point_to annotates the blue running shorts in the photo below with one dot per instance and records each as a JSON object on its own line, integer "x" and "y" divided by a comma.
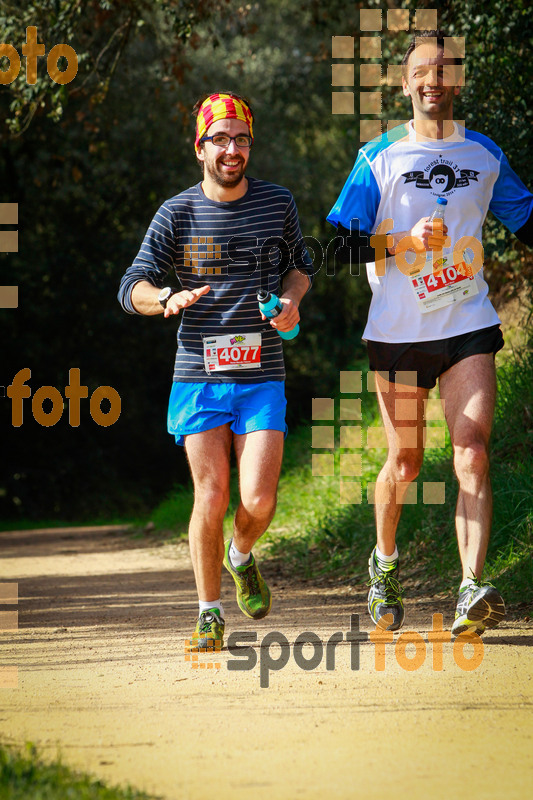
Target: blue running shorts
{"x": 247, "y": 407}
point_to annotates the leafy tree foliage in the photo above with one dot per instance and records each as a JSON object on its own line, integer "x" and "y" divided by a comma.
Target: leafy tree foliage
{"x": 89, "y": 163}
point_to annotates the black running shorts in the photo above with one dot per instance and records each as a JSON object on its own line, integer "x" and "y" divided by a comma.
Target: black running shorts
{"x": 430, "y": 359}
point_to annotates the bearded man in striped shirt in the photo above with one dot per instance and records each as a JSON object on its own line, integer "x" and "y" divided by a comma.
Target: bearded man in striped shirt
{"x": 225, "y": 239}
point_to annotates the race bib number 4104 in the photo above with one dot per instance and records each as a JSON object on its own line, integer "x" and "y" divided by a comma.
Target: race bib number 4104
{"x": 448, "y": 283}
{"x": 234, "y": 351}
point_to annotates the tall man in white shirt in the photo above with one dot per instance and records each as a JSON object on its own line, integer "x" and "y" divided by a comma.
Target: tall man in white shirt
{"x": 432, "y": 320}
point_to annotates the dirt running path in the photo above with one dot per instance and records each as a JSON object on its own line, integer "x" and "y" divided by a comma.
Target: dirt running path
{"x": 103, "y": 680}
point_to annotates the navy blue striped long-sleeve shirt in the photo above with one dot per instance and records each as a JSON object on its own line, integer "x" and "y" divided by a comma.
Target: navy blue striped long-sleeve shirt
{"x": 237, "y": 248}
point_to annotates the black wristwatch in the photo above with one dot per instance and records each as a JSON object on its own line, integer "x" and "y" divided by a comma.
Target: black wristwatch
{"x": 165, "y": 295}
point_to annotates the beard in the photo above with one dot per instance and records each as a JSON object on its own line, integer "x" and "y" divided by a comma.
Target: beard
{"x": 218, "y": 176}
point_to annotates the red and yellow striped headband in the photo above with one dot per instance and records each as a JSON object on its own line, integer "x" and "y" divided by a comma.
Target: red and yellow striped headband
{"x": 221, "y": 106}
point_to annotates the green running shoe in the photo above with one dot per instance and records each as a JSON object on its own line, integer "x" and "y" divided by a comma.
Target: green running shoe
{"x": 385, "y": 595}
{"x": 253, "y": 595}
{"x": 208, "y": 635}
{"x": 480, "y": 606}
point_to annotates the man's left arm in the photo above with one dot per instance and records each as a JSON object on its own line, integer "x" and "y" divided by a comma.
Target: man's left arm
{"x": 512, "y": 203}
{"x": 295, "y": 284}
{"x": 296, "y": 281}
{"x": 525, "y": 231}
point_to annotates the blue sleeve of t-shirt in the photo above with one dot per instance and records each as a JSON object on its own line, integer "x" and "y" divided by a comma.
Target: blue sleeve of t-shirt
{"x": 511, "y": 202}
{"x": 359, "y": 199}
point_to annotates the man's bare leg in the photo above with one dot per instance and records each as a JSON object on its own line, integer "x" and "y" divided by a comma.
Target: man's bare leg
{"x": 402, "y": 411}
{"x": 209, "y": 460}
{"x": 469, "y": 393}
{"x": 259, "y": 456}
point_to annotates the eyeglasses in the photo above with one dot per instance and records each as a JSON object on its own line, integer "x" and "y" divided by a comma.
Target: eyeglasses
{"x": 223, "y": 140}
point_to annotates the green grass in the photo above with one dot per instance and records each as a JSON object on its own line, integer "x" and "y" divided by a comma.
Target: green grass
{"x": 511, "y": 547}
{"x": 173, "y": 514}
{"x": 24, "y": 775}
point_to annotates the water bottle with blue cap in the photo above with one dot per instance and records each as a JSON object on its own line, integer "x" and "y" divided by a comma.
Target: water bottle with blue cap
{"x": 271, "y": 306}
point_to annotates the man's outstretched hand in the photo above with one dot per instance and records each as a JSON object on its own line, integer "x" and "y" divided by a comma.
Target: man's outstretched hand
{"x": 183, "y": 299}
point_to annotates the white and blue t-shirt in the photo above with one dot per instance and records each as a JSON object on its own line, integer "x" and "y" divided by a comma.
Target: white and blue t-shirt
{"x": 402, "y": 179}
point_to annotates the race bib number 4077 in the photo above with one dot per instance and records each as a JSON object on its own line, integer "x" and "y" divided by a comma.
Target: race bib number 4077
{"x": 234, "y": 351}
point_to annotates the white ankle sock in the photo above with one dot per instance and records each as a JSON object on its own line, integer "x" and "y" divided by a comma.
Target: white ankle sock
{"x": 236, "y": 557}
{"x": 386, "y": 559}
{"x": 206, "y": 605}
{"x": 465, "y": 583}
